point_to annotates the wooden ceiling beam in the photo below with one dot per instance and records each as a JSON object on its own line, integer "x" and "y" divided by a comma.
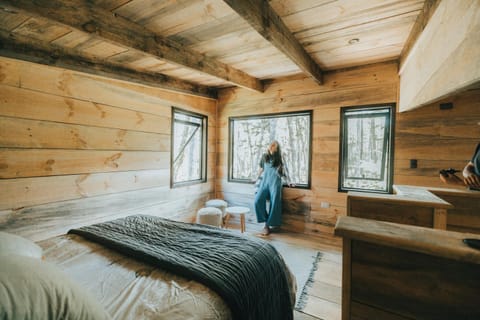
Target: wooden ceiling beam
{"x": 261, "y": 16}
{"x": 86, "y": 17}
{"x": 32, "y": 50}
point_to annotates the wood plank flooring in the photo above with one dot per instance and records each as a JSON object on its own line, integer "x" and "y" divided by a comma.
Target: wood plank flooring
{"x": 324, "y": 296}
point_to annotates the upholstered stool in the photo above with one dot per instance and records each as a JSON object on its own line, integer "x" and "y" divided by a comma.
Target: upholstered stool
{"x": 220, "y": 204}
{"x": 217, "y": 203}
{"x": 211, "y": 216}
{"x": 237, "y": 211}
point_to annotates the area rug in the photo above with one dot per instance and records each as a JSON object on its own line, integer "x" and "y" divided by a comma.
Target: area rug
{"x": 302, "y": 262}
{"x": 302, "y": 294}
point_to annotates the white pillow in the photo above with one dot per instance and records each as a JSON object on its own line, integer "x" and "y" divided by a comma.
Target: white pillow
{"x": 13, "y": 244}
{"x": 34, "y": 289}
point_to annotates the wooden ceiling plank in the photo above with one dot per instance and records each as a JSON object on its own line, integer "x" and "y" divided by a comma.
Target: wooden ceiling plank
{"x": 178, "y": 17}
{"x": 263, "y": 18}
{"x": 32, "y": 50}
{"x": 11, "y": 20}
{"x": 211, "y": 30}
{"x": 353, "y": 14}
{"x": 41, "y": 29}
{"x": 85, "y": 16}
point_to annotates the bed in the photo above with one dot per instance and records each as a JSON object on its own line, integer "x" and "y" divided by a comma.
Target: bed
{"x": 133, "y": 285}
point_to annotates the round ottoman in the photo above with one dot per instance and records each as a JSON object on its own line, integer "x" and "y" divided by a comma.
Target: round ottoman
{"x": 220, "y": 204}
{"x": 217, "y": 203}
{"x": 211, "y": 216}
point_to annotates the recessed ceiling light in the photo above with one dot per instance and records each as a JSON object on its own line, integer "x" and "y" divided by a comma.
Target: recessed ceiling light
{"x": 353, "y": 41}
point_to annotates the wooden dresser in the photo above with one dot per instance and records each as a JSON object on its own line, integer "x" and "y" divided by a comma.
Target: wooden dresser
{"x": 398, "y": 271}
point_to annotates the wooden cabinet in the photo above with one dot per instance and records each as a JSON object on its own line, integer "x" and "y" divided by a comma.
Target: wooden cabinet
{"x": 464, "y": 215}
{"x": 409, "y": 205}
{"x": 397, "y": 271}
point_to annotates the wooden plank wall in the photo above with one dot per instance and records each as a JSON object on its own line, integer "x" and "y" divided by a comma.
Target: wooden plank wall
{"x": 302, "y": 208}
{"x": 77, "y": 149}
{"x": 436, "y": 138}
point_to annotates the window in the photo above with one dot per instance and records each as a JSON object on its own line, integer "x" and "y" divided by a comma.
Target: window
{"x": 189, "y": 148}
{"x": 250, "y": 137}
{"x": 366, "y": 157}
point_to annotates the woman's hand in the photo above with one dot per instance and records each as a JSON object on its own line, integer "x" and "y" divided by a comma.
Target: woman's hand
{"x": 472, "y": 181}
{"x": 470, "y": 178}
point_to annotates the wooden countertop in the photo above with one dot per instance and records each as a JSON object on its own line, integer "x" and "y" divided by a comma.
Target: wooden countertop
{"x": 463, "y": 192}
{"x": 441, "y": 243}
{"x": 418, "y": 196}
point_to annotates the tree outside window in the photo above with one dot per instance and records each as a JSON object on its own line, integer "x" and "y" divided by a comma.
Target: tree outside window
{"x": 250, "y": 136}
{"x": 366, "y": 156}
{"x": 189, "y": 147}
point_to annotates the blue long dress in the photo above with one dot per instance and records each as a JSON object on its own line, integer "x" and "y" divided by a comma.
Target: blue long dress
{"x": 270, "y": 188}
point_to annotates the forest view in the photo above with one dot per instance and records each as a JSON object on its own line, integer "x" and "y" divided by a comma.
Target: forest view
{"x": 366, "y": 148}
{"x": 187, "y": 148}
{"x": 251, "y": 137}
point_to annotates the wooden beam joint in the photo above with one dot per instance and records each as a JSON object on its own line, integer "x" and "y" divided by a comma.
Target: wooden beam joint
{"x": 261, "y": 16}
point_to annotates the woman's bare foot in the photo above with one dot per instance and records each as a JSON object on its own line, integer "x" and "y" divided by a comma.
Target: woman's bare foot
{"x": 266, "y": 231}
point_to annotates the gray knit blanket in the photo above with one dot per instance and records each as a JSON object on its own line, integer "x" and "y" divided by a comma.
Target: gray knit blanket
{"x": 248, "y": 273}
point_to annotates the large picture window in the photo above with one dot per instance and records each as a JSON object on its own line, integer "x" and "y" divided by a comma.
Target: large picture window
{"x": 250, "y": 137}
{"x": 366, "y": 152}
{"x": 189, "y": 148}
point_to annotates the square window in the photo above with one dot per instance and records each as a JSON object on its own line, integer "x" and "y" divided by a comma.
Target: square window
{"x": 189, "y": 148}
{"x": 250, "y": 136}
{"x": 366, "y": 152}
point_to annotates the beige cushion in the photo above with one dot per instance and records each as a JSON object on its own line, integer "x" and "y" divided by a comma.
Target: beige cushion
{"x": 217, "y": 203}
{"x": 34, "y": 289}
{"x": 210, "y": 215}
{"x": 13, "y": 244}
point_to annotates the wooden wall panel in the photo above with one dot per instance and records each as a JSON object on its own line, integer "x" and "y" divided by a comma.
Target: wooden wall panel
{"x": 438, "y": 139}
{"x": 21, "y": 163}
{"x": 25, "y": 192}
{"x": 20, "y": 133}
{"x": 77, "y": 149}
{"x": 28, "y": 104}
{"x": 42, "y": 221}
{"x": 304, "y": 210}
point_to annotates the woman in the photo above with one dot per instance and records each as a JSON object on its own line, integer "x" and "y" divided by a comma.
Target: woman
{"x": 273, "y": 170}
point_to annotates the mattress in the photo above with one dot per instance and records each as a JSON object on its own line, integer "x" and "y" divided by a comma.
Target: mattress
{"x": 129, "y": 289}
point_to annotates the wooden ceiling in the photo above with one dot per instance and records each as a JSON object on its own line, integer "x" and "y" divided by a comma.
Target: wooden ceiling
{"x": 199, "y": 46}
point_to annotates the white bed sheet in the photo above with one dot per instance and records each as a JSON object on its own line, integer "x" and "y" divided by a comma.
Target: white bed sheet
{"x": 129, "y": 289}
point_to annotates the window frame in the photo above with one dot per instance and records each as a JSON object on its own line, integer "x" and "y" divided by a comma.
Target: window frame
{"x": 391, "y": 141}
{"x": 204, "y": 147}
{"x": 269, "y": 115}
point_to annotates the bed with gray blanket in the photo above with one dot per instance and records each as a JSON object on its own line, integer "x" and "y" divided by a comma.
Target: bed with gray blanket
{"x": 248, "y": 274}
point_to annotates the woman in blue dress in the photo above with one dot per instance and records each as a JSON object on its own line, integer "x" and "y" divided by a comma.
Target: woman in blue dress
{"x": 272, "y": 170}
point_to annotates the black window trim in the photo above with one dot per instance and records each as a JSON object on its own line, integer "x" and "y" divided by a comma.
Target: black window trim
{"x": 390, "y": 133}
{"x": 269, "y": 115}
{"x": 204, "y": 157}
